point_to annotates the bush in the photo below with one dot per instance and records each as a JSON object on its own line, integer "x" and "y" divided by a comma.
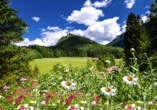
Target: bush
{"x": 100, "y": 66}
{"x": 88, "y": 63}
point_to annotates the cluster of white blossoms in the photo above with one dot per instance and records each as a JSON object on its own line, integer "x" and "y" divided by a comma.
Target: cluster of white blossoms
{"x": 108, "y": 61}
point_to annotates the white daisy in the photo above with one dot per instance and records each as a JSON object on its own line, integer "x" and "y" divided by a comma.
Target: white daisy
{"x": 84, "y": 102}
{"x": 108, "y": 91}
{"x": 133, "y": 105}
{"x": 0, "y": 96}
{"x": 25, "y": 105}
{"x": 82, "y": 108}
{"x": 60, "y": 77}
{"x": 76, "y": 105}
{"x": 139, "y": 102}
{"x": 31, "y": 108}
{"x": 132, "y": 49}
{"x": 18, "y": 107}
{"x": 130, "y": 80}
{"x": 68, "y": 84}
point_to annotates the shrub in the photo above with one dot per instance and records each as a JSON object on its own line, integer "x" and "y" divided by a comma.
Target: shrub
{"x": 100, "y": 65}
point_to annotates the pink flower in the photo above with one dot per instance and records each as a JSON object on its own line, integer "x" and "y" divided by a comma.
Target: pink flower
{"x": 149, "y": 103}
{"x": 55, "y": 93}
{"x": 93, "y": 103}
{"x": 43, "y": 102}
{"x": 19, "y": 88}
{"x": 78, "y": 93}
{"x": 98, "y": 96}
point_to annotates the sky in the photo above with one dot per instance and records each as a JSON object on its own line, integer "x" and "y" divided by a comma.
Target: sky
{"x": 99, "y": 20}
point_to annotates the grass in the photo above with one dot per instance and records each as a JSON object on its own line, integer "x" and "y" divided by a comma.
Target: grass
{"x": 50, "y": 92}
{"x": 46, "y": 64}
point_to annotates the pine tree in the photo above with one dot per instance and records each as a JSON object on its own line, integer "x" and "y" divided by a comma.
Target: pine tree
{"x": 135, "y": 37}
{"x": 13, "y": 59}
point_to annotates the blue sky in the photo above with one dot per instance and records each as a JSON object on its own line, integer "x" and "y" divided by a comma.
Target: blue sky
{"x": 99, "y": 20}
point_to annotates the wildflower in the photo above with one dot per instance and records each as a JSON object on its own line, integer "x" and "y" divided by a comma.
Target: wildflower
{"x": 26, "y": 105}
{"x": 24, "y": 79}
{"x": 31, "y": 108}
{"x": 43, "y": 102}
{"x": 93, "y": 103}
{"x": 68, "y": 85}
{"x": 76, "y": 105}
{"x": 108, "y": 91}
{"x": 139, "y": 102}
{"x": 82, "y": 108}
{"x": 33, "y": 102}
{"x": 139, "y": 108}
{"x": 149, "y": 103}
{"x": 60, "y": 77}
{"x": 84, "y": 102}
{"x": 32, "y": 81}
{"x": 6, "y": 87}
{"x": 107, "y": 103}
{"x": 132, "y": 50}
{"x": 133, "y": 105}
{"x": 18, "y": 107}
{"x": 130, "y": 80}
{"x": 53, "y": 104}
{"x": 0, "y": 96}
{"x": 19, "y": 88}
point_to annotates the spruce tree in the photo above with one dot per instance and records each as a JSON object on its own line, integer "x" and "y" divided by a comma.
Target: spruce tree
{"x": 135, "y": 37}
{"x": 13, "y": 59}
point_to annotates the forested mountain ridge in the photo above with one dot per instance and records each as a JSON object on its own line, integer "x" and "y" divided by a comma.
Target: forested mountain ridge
{"x": 119, "y": 40}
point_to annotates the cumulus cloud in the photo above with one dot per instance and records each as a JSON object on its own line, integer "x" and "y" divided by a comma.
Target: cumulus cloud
{"x": 129, "y": 3}
{"x": 104, "y": 42}
{"x": 69, "y": 27}
{"x": 148, "y": 12}
{"x": 97, "y": 4}
{"x": 36, "y": 19}
{"x": 87, "y": 16}
{"x": 48, "y": 39}
{"x": 78, "y": 32}
{"x": 104, "y": 30}
{"x": 43, "y": 29}
{"x": 101, "y": 4}
{"x": 144, "y": 18}
{"x": 54, "y": 28}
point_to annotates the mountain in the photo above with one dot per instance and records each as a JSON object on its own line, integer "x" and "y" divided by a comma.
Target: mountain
{"x": 72, "y": 42}
{"x": 119, "y": 40}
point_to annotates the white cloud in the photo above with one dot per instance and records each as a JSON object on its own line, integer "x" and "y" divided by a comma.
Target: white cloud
{"x": 144, "y": 18}
{"x": 123, "y": 28}
{"x": 97, "y": 4}
{"x": 148, "y": 12}
{"x": 101, "y": 4}
{"x": 43, "y": 29}
{"x": 69, "y": 27}
{"x": 147, "y": 7}
{"x": 78, "y": 32}
{"x": 36, "y": 19}
{"x": 48, "y": 39}
{"x": 104, "y": 42}
{"x": 87, "y": 16}
{"x": 105, "y": 30}
{"x": 129, "y": 3}
{"x": 87, "y": 3}
{"x": 53, "y": 28}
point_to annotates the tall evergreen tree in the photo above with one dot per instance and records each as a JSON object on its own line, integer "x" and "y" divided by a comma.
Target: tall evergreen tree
{"x": 135, "y": 37}
{"x": 11, "y": 30}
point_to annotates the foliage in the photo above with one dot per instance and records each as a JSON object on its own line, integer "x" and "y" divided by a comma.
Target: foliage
{"x": 100, "y": 65}
{"x": 88, "y": 63}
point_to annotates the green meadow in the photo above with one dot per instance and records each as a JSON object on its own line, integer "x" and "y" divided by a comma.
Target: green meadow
{"x": 46, "y": 64}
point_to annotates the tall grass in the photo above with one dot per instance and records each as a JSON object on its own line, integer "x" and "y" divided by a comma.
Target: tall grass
{"x": 83, "y": 88}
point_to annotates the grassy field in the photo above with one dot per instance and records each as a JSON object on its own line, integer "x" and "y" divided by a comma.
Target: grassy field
{"x": 46, "y": 64}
